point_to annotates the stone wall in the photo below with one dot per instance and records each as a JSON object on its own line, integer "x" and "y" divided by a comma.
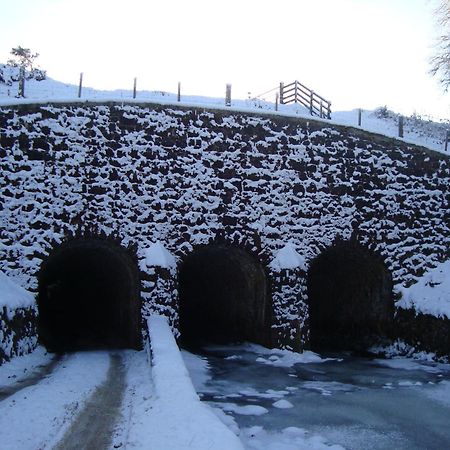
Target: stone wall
{"x": 188, "y": 177}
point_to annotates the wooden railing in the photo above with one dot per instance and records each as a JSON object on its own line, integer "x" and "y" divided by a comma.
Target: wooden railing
{"x": 298, "y": 93}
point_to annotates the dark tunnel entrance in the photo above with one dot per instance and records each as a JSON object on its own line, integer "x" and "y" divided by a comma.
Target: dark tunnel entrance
{"x": 223, "y": 297}
{"x": 89, "y": 297}
{"x": 350, "y": 299}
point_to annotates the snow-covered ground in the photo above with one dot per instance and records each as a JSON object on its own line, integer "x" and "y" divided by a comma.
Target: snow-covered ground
{"x": 418, "y": 131}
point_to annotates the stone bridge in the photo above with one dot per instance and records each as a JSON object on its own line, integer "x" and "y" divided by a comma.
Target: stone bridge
{"x": 238, "y": 226}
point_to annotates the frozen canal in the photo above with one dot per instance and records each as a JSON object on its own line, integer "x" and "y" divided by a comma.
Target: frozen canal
{"x": 274, "y": 397}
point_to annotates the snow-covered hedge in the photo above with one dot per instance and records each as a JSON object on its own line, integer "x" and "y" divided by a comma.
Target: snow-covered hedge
{"x": 17, "y": 320}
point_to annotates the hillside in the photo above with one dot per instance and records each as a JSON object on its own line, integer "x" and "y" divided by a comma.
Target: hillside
{"x": 417, "y": 130}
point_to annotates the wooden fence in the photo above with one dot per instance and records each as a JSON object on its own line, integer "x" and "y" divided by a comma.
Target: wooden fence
{"x": 298, "y": 93}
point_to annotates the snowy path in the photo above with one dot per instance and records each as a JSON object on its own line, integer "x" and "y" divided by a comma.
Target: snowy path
{"x": 93, "y": 427}
{"x": 40, "y": 372}
{"x": 37, "y": 416}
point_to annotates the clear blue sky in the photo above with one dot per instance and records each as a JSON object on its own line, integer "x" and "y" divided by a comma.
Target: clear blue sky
{"x": 357, "y": 53}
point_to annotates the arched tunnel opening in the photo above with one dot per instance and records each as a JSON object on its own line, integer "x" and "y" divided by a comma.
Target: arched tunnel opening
{"x": 88, "y": 297}
{"x": 350, "y": 299}
{"x": 223, "y": 297}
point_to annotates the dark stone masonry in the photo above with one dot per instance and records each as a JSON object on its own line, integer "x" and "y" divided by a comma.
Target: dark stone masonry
{"x": 86, "y": 189}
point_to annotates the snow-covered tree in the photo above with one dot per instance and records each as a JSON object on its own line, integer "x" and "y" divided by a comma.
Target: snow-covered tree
{"x": 440, "y": 62}
{"x": 23, "y": 60}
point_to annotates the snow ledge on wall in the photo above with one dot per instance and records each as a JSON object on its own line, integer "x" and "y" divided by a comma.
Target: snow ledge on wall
{"x": 13, "y": 296}
{"x": 431, "y": 294}
{"x": 287, "y": 258}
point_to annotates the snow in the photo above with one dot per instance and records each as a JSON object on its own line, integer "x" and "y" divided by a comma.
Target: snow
{"x": 13, "y": 296}
{"x": 287, "y": 258}
{"x": 246, "y": 410}
{"x": 285, "y": 358}
{"x": 178, "y": 419}
{"x": 55, "y": 91}
{"x": 38, "y": 416}
{"x": 158, "y": 256}
{"x": 283, "y": 404}
{"x": 21, "y": 367}
{"x": 431, "y": 294}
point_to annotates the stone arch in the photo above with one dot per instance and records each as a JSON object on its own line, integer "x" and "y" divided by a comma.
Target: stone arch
{"x": 224, "y": 296}
{"x": 89, "y": 296}
{"x": 350, "y": 298}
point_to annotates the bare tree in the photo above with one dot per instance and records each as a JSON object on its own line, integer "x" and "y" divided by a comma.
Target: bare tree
{"x": 24, "y": 59}
{"x": 440, "y": 62}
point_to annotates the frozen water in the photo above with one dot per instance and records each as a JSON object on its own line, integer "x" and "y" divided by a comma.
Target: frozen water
{"x": 354, "y": 402}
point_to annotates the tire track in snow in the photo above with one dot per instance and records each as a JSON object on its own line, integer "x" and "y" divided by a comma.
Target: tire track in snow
{"x": 31, "y": 380}
{"x": 93, "y": 428}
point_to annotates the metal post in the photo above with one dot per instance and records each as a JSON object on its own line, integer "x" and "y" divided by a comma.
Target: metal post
{"x": 179, "y": 92}
{"x": 134, "y": 87}
{"x": 447, "y": 139}
{"x": 359, "y": 116}
{"x": 311, "y": 103}
{"x": 400, "y": 126}
{"x": 277, "y": 97}
{"x": 80, "y": 86}
{"x": 228, "y": 95}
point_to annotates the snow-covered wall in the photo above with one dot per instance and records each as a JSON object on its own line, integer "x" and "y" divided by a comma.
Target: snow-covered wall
{"x": 185, "y": 177}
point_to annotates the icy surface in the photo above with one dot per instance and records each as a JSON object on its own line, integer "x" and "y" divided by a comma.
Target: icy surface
{"x": 431, "y": 294}
{"x": 12, "y": 295}
{"x": 343, "y": 402}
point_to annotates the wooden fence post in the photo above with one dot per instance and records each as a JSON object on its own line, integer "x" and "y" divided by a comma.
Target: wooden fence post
{"x": 447, "y": 139}
{"x": 400, "y": 126}
{"x": 80, "y": 86}
{"x": 359, "y": 116}
{"x": 134, "y": 87}
{"x": 179, "y": 92}
{"x": 228, "y": 95}
{"x": 281, "y": 93}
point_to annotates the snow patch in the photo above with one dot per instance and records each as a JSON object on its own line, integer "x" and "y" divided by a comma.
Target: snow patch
{"x": 158, "y": 256}
{"x": 287, "y": 258}
{"x": 13, "y": 296}
{"x": 431, "y": 294}
{"x": 283, "y": 404}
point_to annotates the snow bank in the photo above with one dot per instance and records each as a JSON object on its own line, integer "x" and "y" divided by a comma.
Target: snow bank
{"x": 158, "y": 256}
{"x": 431, "y": 294}
{"x": 13, "y": 296}
{"x": 287, "y": 258}
{"x": 182, "y": 420}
